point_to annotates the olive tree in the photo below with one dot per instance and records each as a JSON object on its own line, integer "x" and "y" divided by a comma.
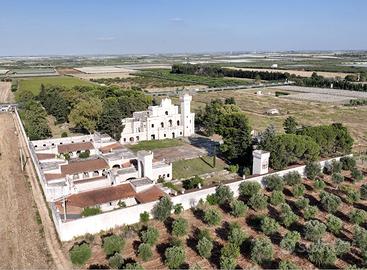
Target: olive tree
{"x": 287, "y": 265}
{"x": 322, "y": 254}
{"x": 116, "y": 261}
{"x": 310, "y": 212}
{"x": 223, "y": 194}
{"x": 290, "y": 240}
{"x": 258, "y": 201}
{"x": 358, "y": 216}
{"x": 227, "y": 263}
{"x": 238, "y": 208}
{"x": 236, "y": 235}
{"x": 348, "y": 163}
{"x": 205, "y": 247}
{"x": 287, "y": 216}
{"x": 145, "y": 251}
{"x": 330, "y": 202}
{"x": 312, "y": 170}
{"x": 269, "y": 225}
{"x": 314, "y": 230}
{"x": 212, "y": 217}
{"x": 150, "y": 236}
{"x": 179, "y": 227}
{"x": 363, "y": 191}
{"x": 298, "y": 190}
{"x": 262, "y": 250}
{"x": 175, "y": 257}
{"x": 162, "y": 210}
{"x": 79, "y": 254}
{"x": 356, "y": 174}
{"x": 341, "y": 247}
{"x": 274, "y": 182}
{"x": 334, "y": 224}
{"x": 113, "y": 244}
{"x": 249, "y": 188}
{"x": 292, "y": 178}
{"x": 277, "y": 197}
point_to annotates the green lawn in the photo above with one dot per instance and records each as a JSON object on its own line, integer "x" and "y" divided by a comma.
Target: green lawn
{"x": 156, "y": 144}
{"x": 34, "y": 84}
{"x": 196, "y": 166}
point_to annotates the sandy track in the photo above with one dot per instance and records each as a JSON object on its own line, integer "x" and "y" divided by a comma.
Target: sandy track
{"x": 22, "y": 243}
{"x": 50, "y": 235}
{"x": 5, "y": 92}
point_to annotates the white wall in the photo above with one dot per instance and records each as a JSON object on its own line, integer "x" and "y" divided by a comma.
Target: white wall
{"x": 130, "y": 215}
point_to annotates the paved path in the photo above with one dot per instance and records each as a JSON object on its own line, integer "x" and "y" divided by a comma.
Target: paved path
{"x": 6, "y": 96}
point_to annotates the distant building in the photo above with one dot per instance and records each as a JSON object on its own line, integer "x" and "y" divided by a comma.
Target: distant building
{"x": 165, "y": 121}
{"x": 274, "y": 66}
{"x": 272, "y": 111}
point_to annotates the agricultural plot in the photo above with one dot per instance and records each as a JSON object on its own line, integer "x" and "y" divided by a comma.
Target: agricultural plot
{"x": 306, "y": 112}
{"x": 290, "y": 223}
{"x": 103, "y": 69}
{"x": 34, "y": 84}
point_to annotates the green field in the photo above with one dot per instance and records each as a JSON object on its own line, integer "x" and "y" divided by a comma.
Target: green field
{"x": 34, "y": 84}
{"x": 151, "y": 145}
{"x": 196, "y": 166}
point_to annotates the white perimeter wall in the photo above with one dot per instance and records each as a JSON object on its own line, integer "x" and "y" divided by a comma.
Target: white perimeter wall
{"x": 130, "y": 215}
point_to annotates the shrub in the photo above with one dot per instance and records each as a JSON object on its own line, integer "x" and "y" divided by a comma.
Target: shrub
{"x": 298, "y": 190}
{"x": 287, "y": 216}
{"x": 133, "y": 266}
{"x": 223, "y": 194}
{"x": 113, "y": 244}
{"x": 292, "y": 178}
{"x": 287, "y": 265}
{"x": 274, "y": 182}
{"x": 179, "y": 227}
{"x": 356, "y": 174}
{"x": 360, "y": 237}
{"x": 358, "y": 216}
{"x": 162, "y": 210}
{"x": 230, "y": 250}
{"x": 212, "y": 217}
{"x": 145, "y": 252}
{"x": 363, "y": 191}
{"x": 269, "y": 225}
{"x": 176, "y": 242}
{"x": 258, "y": 201}
{"x": 79, "y": 254}
{"x": 249, "y": 188}
{"x": 330, "y": 202}
{"x": 233, "y": 168}
{"x": 352, "y": 195}
{"x": 236, "y": 235}
{"x": 238, "y": 208}
{"x": 116, "y": 261}
{"x": 144, "y": 217}
{"x": 204, "y": 233}
{"x": 312, "y": 170}
{"x": 341, "y": 247}
{"x": 290, "y": 240}
{"x": 84, "y": 154}
{"x": 150, "y": 236}
{"x": 319, "y": 184}
{"x": 302, "y": 203}
{"x": 205, "y": 247}
{"x": 91, "y": 211}
{"x": 277, "y": 197}
{"x": 314, "y": 230}
{"x": 348, "y": 163}
{"x": 337, "y": 178}
{"x": 212, "y": 199}
{"x": 310, "y": 212}
{"x": 321, "y": 254}
{"x": 227, "y": 263}
{"x": 334, "y": 224}
{"x": 262, "y": 250}
{"x": 336, "y": 166}
{"x": 192, "y": 182}
{"x": 178, "y": 208}
{"x": 175, "y": 257}
{"x": 64, "y": 134}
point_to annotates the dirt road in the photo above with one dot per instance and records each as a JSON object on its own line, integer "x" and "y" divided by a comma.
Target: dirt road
{"x": 22, "y": 243}
{"x": 5, "y": 92}
{"x": 54, "y": 247}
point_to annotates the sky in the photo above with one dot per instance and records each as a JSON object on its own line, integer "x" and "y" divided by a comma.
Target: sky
{"x": 68, "y": 27}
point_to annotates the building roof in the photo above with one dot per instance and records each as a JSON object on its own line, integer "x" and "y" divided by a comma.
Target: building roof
{"x": 101, "y": 196}
{"x": 43, "y": 156}
{"x": 152, "y": 194}
{"x": 73, "y": 147}
{"x": 109, "y": 148}
{"x": 53, "y": 176}
{"x": 84, "y": 166}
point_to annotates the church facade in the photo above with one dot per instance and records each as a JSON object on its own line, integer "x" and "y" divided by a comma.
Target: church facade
{"x": 165, "y": 121}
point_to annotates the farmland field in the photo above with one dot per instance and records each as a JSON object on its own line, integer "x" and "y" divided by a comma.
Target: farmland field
{"x": 34, "y": 84}
{"x": 306, "y": 112}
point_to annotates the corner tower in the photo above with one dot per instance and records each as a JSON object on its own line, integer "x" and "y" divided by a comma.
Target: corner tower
{"x": 187, "y": 117}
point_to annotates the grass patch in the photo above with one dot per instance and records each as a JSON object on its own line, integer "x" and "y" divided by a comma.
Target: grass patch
{"x": 34, "y": 84}
{"x": 156, "y": 144}
{"x": 196, "y": 166}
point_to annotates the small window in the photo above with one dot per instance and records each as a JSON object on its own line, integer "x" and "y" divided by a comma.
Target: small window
{"x": 165, "y": 135}
{"x": 166, "y": 112}
{"x": 44, "y": 145}
{"x": 72, "y": 141}
{"x": 162, "y": 124}
{"x": 181, "y": 133}
{"x": 124, "y": 139}
{"x": 83, "y": 140}
{"x": 35, "y": 146}
{"x": 152, "y": 125}
{"x": 53, "y": 144}
{"x": 167, "y": 174}
{"x": 60, "y": 142}
{"x": 178, "y": 122}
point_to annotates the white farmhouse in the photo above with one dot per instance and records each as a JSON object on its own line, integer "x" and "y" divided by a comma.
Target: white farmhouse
{"x": 165, "y": 121}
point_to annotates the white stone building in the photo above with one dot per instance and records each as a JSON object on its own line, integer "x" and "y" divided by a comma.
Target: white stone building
{"x": 165, "y": 121}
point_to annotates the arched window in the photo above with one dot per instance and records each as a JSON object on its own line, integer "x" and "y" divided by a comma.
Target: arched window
{"x": 162, "y": 124}
{"x": 170, "y": 123}
{"x": 178, "y": 122}
{"x": 137, "y": 138}
{"x": 131, "y": 139}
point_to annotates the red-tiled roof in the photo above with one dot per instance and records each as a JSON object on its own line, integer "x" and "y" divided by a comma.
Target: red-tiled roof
{"x": 84, "y": 166}
{"x": 86, "y": 180}
{"x": 101, "y": 196}
{"x": 150, "y": 195}
{"x": 43, "y": 156}
{"x": 109, "y": 148}
{"x": 73, "y": 147}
